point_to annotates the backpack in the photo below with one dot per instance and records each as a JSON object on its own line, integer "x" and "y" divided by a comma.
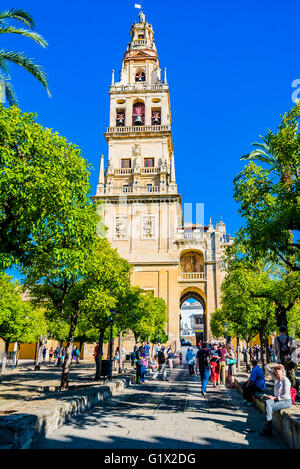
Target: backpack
{"x": 293, "y": 394}
{"x": 161, "y": 357}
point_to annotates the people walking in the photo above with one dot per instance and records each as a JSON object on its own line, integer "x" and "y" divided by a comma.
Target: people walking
{"x": 170, "y": 356}
{"x": 222, "y": 364}
{"x": 44, "y": 353}
{"x": 116, "y": 359}
{"x": 203, "y": 366}
{"x": 161, "y": 359}
{"x": 77, "y": 355}
{"x": 255, "y": 383}
{"x": 214, "y": 357}
{"x": 157, "y": 349}
{"x": 138, "y": 364}
{"x": 180, "y": 358}
{"x": 282, "y": 395}
{"x": 191, "y": 360}
{"x": 230, "y": 365}
{"x": 51, "y": 352}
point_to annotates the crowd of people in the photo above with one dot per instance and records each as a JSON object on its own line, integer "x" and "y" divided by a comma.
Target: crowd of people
{"x": 57, "y": 356}
{"x": 213, "y": 360}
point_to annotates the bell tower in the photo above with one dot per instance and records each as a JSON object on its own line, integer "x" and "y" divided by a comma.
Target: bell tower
{"x": 140, "y": 166}
{"x": 141, "y": 207}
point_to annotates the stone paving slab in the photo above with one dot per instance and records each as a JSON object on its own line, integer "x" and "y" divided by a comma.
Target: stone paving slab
{"x": 167, "y": 415}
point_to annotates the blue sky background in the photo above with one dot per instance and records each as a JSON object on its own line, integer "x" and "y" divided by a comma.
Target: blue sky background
{"x": 230, "y": 69}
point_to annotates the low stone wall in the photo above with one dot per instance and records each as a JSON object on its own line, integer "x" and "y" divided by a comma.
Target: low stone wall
{"x": 23, "y": 431}
{"x": 286, "y": 423}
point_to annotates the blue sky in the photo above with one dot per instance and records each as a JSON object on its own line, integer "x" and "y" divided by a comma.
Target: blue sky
{"x": 230, "y": 69}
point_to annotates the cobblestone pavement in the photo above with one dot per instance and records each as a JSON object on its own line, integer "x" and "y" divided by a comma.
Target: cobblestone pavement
{"x": 167, "y": 415}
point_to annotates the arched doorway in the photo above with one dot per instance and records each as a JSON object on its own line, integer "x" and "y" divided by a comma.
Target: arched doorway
{"x": 192, "y": 316}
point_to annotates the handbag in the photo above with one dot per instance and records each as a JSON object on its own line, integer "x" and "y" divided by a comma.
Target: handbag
{"x": 230, "y": 361}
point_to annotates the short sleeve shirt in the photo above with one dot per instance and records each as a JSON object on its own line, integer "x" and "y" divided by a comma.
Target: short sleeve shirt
{"x": 203, "y": 356}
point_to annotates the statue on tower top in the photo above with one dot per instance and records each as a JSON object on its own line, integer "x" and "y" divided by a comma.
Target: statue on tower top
{"x": 142, "y": 17}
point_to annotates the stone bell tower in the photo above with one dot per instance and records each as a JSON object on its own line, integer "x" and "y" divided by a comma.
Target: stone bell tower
{"x": 141, "y": 206}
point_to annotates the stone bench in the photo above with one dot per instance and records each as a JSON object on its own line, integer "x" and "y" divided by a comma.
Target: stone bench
{"x": 286, "y": 422}
{"x": 24, "y": 430}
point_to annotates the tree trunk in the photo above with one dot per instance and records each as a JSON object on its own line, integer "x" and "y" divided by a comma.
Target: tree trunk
{"x": 120, "y": 354}
{"x": 262, "y": 348}
{"x": 18, "y": 353}
{"x": 281, "y": 316}
{"x": 238, "y": 352}
{"x": 4, "y": 356}
{"x": 99, "y": 355}
{"x": 68, "y": 355}
{"x": 268, "y": 355}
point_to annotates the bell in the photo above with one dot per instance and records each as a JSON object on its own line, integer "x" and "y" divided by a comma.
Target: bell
{"x": 155, "y": 120}
{"x": 138, "y": 120}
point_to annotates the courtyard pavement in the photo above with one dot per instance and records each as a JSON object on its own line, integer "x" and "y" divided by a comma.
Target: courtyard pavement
{"x": 167, "y": 415}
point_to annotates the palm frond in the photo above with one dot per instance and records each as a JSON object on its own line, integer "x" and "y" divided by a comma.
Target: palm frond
{"x": 263, "y": 146}
{"x": 239, "y": 176}
{"x": 18, "y": 15}
{"x": 24, "y": 32}
{"x": 10, "y": 94}
{"x": 20, "y": 59}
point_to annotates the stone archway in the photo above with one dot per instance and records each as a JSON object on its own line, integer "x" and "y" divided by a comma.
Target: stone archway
{"x": 192, "y": 321}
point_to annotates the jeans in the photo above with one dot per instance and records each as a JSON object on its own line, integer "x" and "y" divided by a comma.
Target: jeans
{"x": 143, "y": 372}
{"x": 272, "y": 406}
{"x": 191, "y": 370}
{"x": 204, "y": 373}
{"x": 249, "y": 390}
{"x": 162, "y": 369}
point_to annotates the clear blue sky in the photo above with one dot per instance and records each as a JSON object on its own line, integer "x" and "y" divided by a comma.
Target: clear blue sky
{"x": 230, "y": 68}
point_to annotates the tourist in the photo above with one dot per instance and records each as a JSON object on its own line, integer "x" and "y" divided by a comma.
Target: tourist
{"x": 203, "y": 366}
{"x": 74, "y": 354}
{"x": 147, "y": 348}
{"x": 96, "y": 351}
{"x": 255, "y": 383}
{"x": 191, "y": 359}
{"x": 272, "y": 354}
{"x": 157, "y": 349}
{"x": 230, "y": 365}
{"x": 133, "y": 356}
{"x": 44, "y": 353}
{"x": 77, "y": 355}
{"x": 161, "y": 365}
{"x": 152, "y": 364}
{"x": 283, "y": 346}
{"x": 214, "y": 357}
{"x": 244, "y": 352}
{"x": 282, "y": 395}
{"x": 144, "y": 363}
{"x": 51, "y": 351}
{"x": 180, "y": 358}
{"x": 170, "y": 356}
{"x": 138, "y": 363}
{"x": 222, "y": 364}
{"x": 116, "y": 359}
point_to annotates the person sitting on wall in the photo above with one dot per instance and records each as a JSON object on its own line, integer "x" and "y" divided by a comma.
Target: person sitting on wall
{"x": 255, "y": 383}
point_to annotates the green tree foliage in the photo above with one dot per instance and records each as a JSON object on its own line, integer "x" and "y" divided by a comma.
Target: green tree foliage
{"x": 19, "y": 321}
{"x": 44, "y": 203}
{"x": 269, "y": 198}
{"x": 243, "y": 308}
{"x": 7, "y": 20}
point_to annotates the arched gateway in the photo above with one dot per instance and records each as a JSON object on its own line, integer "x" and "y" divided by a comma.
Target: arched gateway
{"x": 141, "y": 203}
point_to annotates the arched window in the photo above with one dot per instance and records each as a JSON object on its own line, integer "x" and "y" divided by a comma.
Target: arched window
{"x": 138, "y": 114}
{"x": 120, "y": 120}
{"x": 140, "y": 76}
{"x": 192, "y": 262}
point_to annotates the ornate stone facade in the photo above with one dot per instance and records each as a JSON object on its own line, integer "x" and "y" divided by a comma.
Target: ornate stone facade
{"x": 142, "y": 207}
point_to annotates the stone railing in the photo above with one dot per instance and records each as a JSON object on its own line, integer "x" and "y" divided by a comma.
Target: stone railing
{"x": 139, "y": 86}
{"x": 150, "y": 170}
{"x": 137, "y": 128}
{"x": 189, "y": 236}
{"x": 123, "y": 171}
{"x": 191, "y": 276}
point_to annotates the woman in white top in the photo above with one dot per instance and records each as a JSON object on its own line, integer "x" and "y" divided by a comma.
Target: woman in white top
{"x": 282, "y": 395}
